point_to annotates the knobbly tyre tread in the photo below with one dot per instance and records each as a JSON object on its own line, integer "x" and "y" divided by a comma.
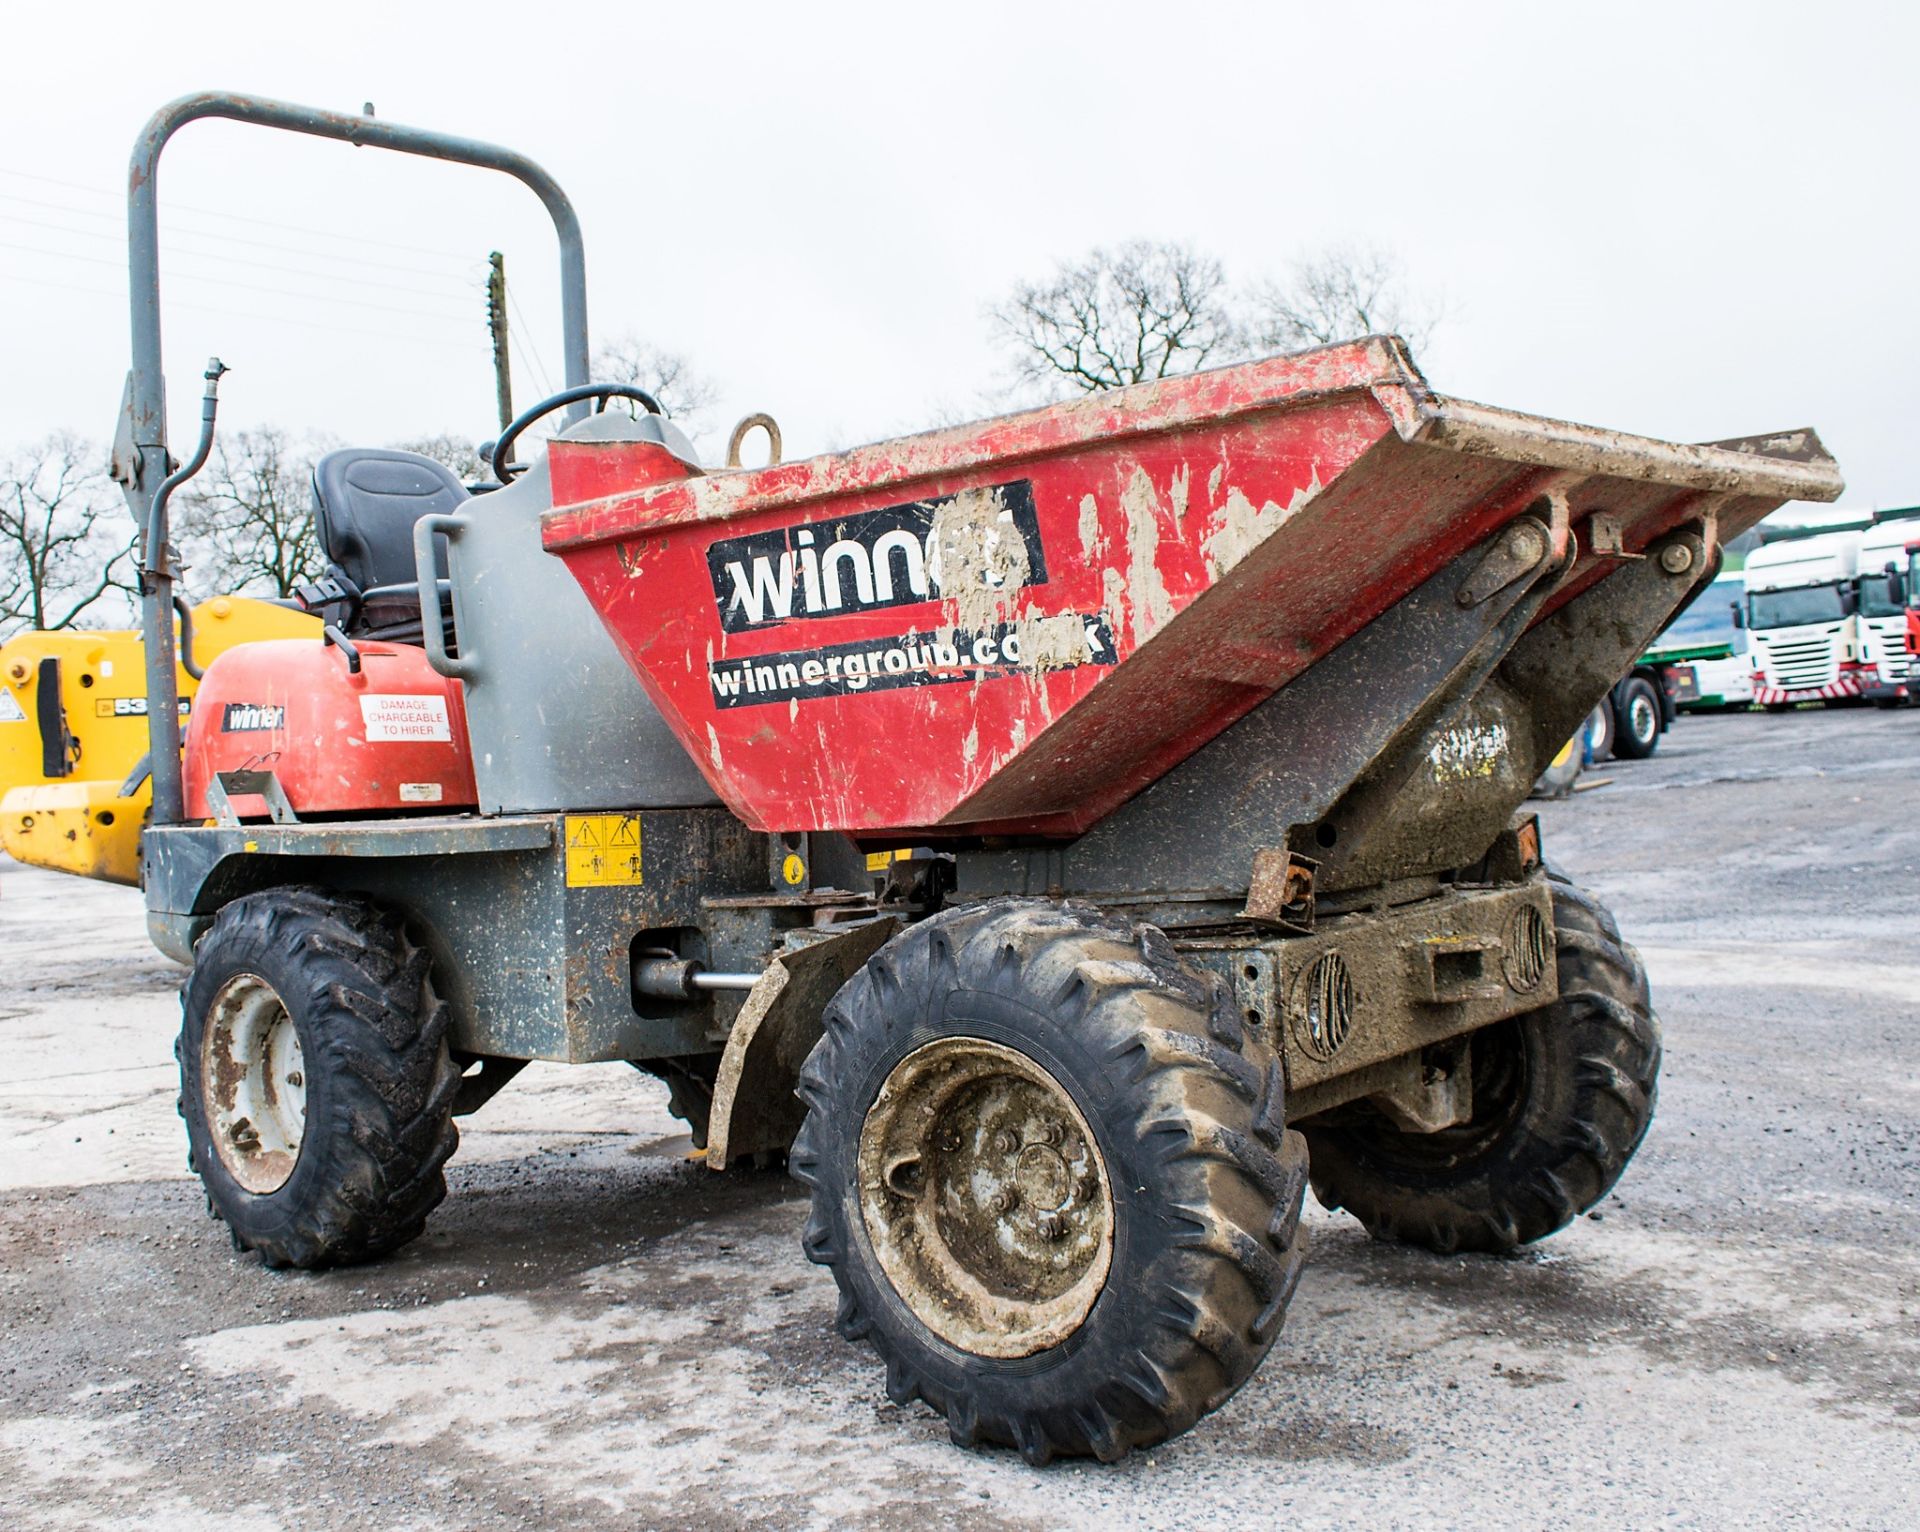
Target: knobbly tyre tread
{"x": 381, "y": 1082}
{"x": 1569, "y": 1144}
{"x": 1189, "y": 1110}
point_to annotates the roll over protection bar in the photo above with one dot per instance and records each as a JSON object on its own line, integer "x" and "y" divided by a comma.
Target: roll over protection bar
{"x": 146, "y": 422}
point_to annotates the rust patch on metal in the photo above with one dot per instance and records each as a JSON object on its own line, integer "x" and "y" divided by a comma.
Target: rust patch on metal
{"x": 1280, "y": 892}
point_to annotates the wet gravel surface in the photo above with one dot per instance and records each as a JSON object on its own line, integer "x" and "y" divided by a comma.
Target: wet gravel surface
{"x": 596, "y": 1332}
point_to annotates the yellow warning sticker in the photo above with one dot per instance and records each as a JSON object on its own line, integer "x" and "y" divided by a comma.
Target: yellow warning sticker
{"x": 793, "y": 870}
{"x": 603, "y": 850}
{"x": 880, "y": 861}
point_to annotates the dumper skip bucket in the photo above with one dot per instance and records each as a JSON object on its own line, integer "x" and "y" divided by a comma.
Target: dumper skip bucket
{"x": 1012, "y": 627}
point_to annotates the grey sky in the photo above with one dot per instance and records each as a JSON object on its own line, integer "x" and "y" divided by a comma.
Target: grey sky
{"x": 1695, "y": 221}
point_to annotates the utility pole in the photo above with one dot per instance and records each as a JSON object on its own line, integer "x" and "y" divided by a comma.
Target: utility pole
{"x": 497, "y": 324}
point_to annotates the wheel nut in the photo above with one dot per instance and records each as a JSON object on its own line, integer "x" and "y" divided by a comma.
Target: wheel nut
{"x": 1676, "y": 558}
{"x": 1005, "y": 1200}
{"x": 1053, "y": 1227}
{"x": 1005, "y": 1141}
{"x": 1052, "y": 1134}
{"x": 296, "y": 1079}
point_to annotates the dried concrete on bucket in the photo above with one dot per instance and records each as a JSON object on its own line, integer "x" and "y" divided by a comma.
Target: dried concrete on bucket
{"x": 597, "y": 1332}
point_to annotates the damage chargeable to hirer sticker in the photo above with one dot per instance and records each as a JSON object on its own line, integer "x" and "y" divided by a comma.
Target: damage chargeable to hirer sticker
{"x": 392, "y": 718}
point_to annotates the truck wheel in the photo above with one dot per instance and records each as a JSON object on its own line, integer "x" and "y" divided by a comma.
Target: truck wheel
{"x": 1636, "y": 733}
{"x": 1599, "y": 732}
{"x": 1562, "y": 1097}
{"x": 1051, "y": 1176}
{"x": 314, "y": 1078}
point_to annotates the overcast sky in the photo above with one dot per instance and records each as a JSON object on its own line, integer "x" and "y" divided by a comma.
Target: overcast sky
{"x": 1695, "y": 221}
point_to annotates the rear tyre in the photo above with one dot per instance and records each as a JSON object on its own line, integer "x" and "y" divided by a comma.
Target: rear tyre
{"x": 315, "y": 1079}
{"x": 689, "y": 1083}
{"x": 1637, "y": 720}
{"x": 1051, "y": 1175}
{"x": 1562, "y": 1097}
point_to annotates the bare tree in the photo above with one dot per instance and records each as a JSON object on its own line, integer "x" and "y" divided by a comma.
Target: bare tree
{"x": 457, "y": 454}
{"x": 246, "y": 524}
{"x": 1141, "y": 311}
{"x": 1344, "y": 292}
{"x": 66, "y": 541}
{"x": 683, "y": 393}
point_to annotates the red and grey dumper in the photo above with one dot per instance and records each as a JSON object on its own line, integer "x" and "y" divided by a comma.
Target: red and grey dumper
{"x": 1063, "y": 837}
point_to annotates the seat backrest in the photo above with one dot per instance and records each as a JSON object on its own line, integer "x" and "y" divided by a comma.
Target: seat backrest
{"x": 365, "y": 502}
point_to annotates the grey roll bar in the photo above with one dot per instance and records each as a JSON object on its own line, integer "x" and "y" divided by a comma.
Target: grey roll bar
{"x": 146, "y": 391}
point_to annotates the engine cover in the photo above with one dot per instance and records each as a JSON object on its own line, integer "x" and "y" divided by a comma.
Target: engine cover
{"x": 392, "y": 736}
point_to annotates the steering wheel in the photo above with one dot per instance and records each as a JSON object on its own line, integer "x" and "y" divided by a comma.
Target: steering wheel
{"x": 502, "y": 455}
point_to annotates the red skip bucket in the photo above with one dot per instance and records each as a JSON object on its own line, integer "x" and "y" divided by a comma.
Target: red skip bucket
{"x": 1013, "y": 626}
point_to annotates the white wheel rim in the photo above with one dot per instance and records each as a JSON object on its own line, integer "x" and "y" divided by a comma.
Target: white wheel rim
{"x": 1641, "y": 712}
{"x": 253, "y": 1084}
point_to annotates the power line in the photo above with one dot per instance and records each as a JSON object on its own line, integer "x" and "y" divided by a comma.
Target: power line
{"x": 255, "y": 287}
{"x": 251, "y": 262}
{"x": 205, "y": 308}
{"x": 270, "y": 223}
{"x": 526, "y": 334}
{"x": 171, "y": 233}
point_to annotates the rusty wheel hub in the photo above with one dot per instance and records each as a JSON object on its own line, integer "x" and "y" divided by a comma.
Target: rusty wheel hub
{"x": 253, "y": 1077}
{"x": 985, "y": 1197}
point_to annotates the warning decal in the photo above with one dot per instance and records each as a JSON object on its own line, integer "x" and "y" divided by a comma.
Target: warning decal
{"x": 603, "y": 850}
{"x": 391, "y": 717}
{"x": 10, "y": 711}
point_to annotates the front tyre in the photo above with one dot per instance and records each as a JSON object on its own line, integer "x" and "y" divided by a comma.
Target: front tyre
{"x": 1562, "y": 1097}
{"x": 1051, "y": 1176}
{"x": 314, "y": 1078}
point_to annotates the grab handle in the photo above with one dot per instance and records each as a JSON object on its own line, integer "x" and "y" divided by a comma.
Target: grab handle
{"x": 432, "y": 633}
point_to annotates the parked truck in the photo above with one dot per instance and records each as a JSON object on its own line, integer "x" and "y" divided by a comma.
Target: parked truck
{"x": 1700, "y": 661}
{"x": 1799, "y": 608}
{"x": 1881, "y": 599}
{"x": 1065, "y": 836}
{"x": 1913, "y": 605}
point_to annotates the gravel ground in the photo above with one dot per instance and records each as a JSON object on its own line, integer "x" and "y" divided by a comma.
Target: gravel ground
{"x": 597, "y": 1332}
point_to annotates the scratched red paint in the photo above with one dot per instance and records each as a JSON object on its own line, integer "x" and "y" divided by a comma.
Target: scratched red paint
{"x": 1211, "y": 536}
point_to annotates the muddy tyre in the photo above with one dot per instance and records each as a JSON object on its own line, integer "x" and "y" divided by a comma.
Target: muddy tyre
{"x": 1051, "y": 1175}
{"x": 315, "y": 1079}
{"x": 1637, "y": 713}
{"x": 1562, "y": 1098}
{"x": 689, "y": 1083}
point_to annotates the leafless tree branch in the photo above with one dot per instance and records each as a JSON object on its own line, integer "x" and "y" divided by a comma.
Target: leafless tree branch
{"x": 66, "y": 540}
{"x": 1344, "y": 292}
{"x": 1140, "y": 311}
{"x": 245, "y": 525}
{"x": 685, "y": 394}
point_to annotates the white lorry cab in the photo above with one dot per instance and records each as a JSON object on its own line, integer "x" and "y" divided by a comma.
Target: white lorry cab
{"x": 1799, "y": 612}
{"x": 1882, "y": 584}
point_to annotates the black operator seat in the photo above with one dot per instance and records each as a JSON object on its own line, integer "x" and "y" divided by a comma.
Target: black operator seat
{"x": 365, "y": 502}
